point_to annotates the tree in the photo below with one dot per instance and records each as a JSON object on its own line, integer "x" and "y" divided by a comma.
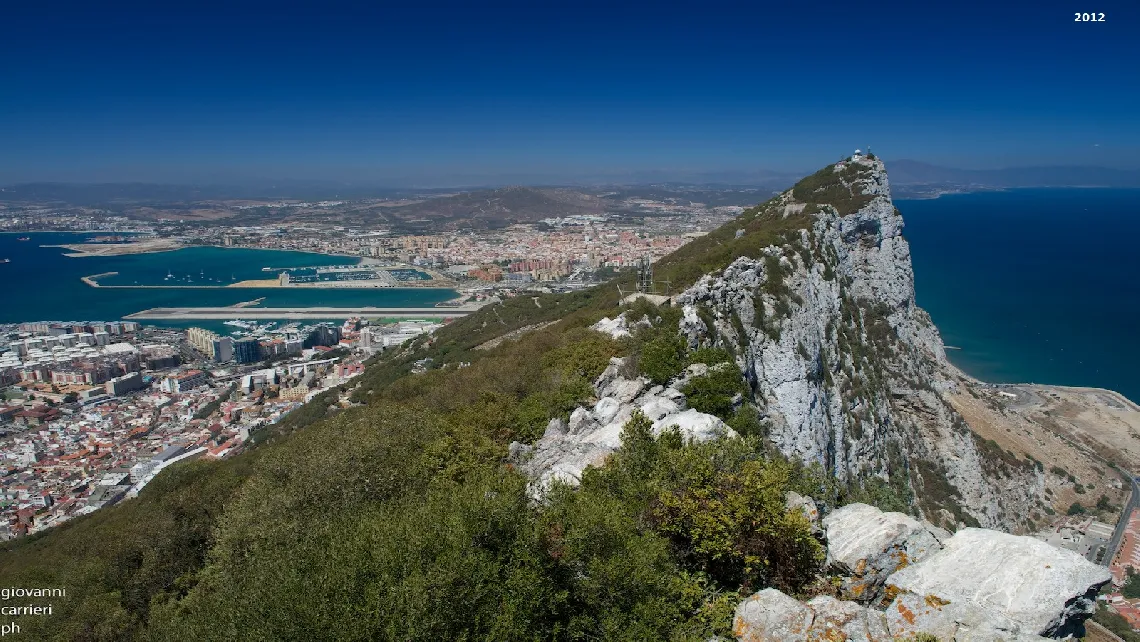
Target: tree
{"x": 1131, "y": 588}
{"x": 1076, "y": 509}
{"x": 715, "y": 391}
{"x": 71, "y": 397}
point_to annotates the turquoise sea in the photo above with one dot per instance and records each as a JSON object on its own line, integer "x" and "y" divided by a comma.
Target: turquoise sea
{"x": 39, "y": 283}
{"x": 1034, "y": 285}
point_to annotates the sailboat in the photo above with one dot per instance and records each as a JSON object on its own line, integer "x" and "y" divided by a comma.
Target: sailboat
{"x": 169, "y": 275}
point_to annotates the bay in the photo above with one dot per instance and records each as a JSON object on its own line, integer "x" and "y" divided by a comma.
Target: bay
{"x": 40, "y": 283}
{"x": 1034, "y": 285}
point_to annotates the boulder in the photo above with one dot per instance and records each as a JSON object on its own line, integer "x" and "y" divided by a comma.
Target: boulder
{"x": 624, "y": 390}
{"x": 866, "y": 545}
{"x": 606, "y": 409}
{"x": 911, "y": 614}
{"x": 772, "y": 616}
{"x": 610, "y": 374}
{"x": 616, "y": 328}
{"x": 694, "y": 425}
{"x": 842, "y": 620}
{"x": 1039, "y": 588}
{"x": 656, "y": 408}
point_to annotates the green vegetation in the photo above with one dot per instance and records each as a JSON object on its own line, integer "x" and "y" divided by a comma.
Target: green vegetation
{"x": 663, "y": 358}
{"x": 1076, "y": 509}
{"x": 396, "y": 514}
{"x": 1116, "y": 623}
{"x": 829, "y": 187}
{"x": 1131, "y": 588}
{"x": 715, "y": 391}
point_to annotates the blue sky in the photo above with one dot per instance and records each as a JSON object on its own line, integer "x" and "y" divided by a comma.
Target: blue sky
{"x": 380, "y": 91}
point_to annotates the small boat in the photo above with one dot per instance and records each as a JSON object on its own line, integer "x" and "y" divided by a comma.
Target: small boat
{"x": 24, "y": 238}
{"x": 5, "y": 260}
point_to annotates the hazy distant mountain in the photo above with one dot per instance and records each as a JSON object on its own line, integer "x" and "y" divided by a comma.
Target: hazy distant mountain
{"x": 910, "y": 172}
{"x": 909, "y": 176}
{"x": 495, "y": 208}
{"x": 95, "y": 194}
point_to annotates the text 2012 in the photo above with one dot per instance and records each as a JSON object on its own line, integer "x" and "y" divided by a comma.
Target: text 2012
{"x": 1089, "y": 17}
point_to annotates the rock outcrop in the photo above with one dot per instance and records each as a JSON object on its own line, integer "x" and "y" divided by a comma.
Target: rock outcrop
{"x": 976, "y": 585}
{"x": 843, "y": 365}
{"x": 771, "y": 616}
{"x": 1023, "y": 582}
{"x": 566, "y": 449}
{"x": 865, "y": 546}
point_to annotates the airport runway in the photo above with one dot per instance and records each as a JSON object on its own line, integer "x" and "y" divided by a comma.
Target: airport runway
{"x": 225, "y": 313}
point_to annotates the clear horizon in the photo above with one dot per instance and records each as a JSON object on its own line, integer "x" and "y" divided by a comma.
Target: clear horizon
{"x": 162, "y": 94}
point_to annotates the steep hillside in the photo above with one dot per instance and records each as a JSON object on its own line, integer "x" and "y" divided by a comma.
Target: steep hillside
{"x": 442, "y": 505}
{"x": 843, "y": 365}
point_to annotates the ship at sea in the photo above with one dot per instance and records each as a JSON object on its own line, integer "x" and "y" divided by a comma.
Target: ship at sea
{"x": 24, "y": 238}
{"x": 5, "y": 260}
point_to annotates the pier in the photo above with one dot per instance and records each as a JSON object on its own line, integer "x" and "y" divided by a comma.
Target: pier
{"x": 225, "y": 313}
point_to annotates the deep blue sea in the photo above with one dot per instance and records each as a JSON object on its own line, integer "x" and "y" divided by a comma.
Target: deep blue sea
{"x": 39, "y": 283}
{"x": 1034, "y": 285}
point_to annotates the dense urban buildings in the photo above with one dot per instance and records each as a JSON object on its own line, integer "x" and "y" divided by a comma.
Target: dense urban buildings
{"x": 91, "y": 412}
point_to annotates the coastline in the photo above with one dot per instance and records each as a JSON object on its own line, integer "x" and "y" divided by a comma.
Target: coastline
{"x": 974, "y": 381}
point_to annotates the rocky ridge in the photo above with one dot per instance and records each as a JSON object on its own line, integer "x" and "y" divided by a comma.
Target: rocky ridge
{"x": 566, "y": 449}
{"x": 843, "y": 365}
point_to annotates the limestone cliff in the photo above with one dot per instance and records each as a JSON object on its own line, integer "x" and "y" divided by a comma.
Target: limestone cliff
{"x": 843, "y": 365}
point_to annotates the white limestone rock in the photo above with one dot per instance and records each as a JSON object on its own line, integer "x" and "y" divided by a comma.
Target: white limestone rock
{"x": 772, "y": 616}
{"x": 625, "y": 390}
{"x": 1041, "y": 589}
{"x": 865, "y": 546}
{"x": 616, "y": 328}
{"x": 694, "y": 425}
{"x": 566, "y": 450}
{"x": 842, "y": 620}
{"x": 790, "y": 350}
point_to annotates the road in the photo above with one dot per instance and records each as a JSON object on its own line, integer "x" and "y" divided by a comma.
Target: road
{"x": 299, "y": 313}
{"x": 1118, "y": 534}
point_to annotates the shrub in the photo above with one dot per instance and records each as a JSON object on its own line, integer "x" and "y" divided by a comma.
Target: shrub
{"x": 1076, "y": 509}
{"x": 714, "y": 391}
{"x": 663, "y": 357}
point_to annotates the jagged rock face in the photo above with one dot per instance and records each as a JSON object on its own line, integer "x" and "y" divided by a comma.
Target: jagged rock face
{"x": 566, "y": 449}
{"x": 843, "y": 364}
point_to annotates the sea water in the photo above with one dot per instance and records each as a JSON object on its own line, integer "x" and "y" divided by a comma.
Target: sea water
{"x": 1033, "y": 285}
{"x": 40, "y": 283}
